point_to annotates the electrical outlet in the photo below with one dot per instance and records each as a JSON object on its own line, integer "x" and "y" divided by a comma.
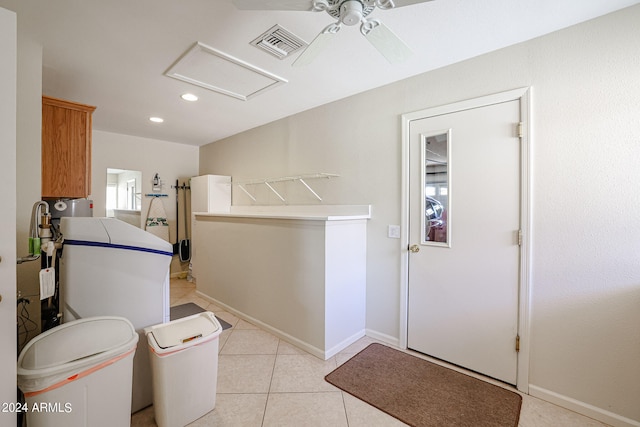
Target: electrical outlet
{"x": 394, "y": 232}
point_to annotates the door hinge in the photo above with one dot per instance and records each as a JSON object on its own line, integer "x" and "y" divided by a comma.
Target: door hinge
{"x": 519, "y": 129}
{"x": 519, "y": 237}
{"x": 517, "y": 343}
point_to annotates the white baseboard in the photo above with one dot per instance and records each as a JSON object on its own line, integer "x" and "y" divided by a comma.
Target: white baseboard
{"x": 319, "y": 353}
{"x": 344, "y": 344}
{"x": 582, "y": 407}
{"x": 387, "y": 339}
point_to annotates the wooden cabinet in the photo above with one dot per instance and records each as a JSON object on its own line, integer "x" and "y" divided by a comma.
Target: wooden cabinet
{"x": 66, "y": 148}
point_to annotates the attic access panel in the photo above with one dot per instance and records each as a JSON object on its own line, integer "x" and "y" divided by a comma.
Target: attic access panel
{"x": 214, "y": 70}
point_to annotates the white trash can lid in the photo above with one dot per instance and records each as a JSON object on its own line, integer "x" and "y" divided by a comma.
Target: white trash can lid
{"x": 73, "y": 347}
{"x": 183, "y": 333}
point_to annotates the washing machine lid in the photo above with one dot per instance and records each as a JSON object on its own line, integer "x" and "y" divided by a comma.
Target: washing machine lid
{"x": 111, "y": 233}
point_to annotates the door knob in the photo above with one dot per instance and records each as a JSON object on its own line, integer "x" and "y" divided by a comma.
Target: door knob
{"x": 414, "y": 248}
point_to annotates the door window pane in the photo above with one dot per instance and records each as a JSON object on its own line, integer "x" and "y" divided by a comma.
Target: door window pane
{"x": 436, "y": 188}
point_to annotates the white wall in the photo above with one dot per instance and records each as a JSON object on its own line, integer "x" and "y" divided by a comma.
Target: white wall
{"x": 8, "y": 110}
{"x": 585, "y": 343}
{"x": 170, "y": 160}
{"x": 28, "y": 169}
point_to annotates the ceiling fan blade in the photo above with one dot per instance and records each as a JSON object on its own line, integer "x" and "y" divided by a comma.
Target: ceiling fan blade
{"x": 274, "y": 4}
{"x": 387, "y": 43}
{"x": 317, "y": 45}
{"x": 388, "y": 4}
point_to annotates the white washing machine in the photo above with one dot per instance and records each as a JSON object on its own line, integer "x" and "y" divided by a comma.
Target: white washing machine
{"x": 111, "y": 268}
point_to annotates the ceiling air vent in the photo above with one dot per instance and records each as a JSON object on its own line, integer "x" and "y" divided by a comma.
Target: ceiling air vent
{"x": 279, "y": 42}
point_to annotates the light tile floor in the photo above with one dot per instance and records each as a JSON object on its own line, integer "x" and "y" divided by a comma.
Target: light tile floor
{"x": 266, "y": 382}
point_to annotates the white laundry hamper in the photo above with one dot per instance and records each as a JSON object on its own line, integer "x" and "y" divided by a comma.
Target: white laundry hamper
{"x": 79, "y": 374}
{"x": 184, "y": 365}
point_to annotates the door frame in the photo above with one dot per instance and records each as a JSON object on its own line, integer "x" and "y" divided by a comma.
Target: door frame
{"x": 523, "y": 95}
{"x": 8, "y": 270}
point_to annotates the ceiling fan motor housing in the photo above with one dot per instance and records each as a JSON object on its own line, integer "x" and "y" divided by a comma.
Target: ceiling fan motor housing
{"x": 351, "y": 12}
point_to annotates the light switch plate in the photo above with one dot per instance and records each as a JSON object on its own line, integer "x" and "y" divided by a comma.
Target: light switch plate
{"x": 394, "y": 232}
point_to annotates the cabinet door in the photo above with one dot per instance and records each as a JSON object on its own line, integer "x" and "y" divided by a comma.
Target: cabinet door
{"x": 66, "y": 149}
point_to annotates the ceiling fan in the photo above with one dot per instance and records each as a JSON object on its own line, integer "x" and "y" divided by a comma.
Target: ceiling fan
{"x": 347, "y": 12}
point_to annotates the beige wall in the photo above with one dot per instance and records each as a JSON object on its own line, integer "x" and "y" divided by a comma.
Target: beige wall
{"x": 585, "y": 342}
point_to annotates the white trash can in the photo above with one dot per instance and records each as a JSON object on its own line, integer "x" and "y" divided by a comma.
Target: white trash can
{"x": 184, "y": 365}
{"x": 79, "y": 374}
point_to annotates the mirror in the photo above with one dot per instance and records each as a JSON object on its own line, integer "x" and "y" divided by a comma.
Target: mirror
{"x": 436, "y": 188}
{"x": 124, "y": 195}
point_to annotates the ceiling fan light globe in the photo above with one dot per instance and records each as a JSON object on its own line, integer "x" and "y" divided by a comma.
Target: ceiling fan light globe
{"x": 351, "y": 12}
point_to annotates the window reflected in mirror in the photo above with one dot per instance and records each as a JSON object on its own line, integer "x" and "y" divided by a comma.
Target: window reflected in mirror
{"x": 436, "y": 188}
{"x": 124, "y": 195}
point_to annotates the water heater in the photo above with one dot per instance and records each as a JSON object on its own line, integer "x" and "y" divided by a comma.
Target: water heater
{"x": 70, "y": 207}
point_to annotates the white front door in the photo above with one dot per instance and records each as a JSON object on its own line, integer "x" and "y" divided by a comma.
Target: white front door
{"x": 8, "y": 53}
{"x": 464, "y": 264}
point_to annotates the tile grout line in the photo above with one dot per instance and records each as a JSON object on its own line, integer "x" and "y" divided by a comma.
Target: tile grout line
{"x": 273, "y": 369}
{"x": 344, "y": 403}
{"x": 344, "y": 406}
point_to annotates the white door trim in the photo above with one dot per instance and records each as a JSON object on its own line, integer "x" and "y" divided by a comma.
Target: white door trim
{"x": 8, "y": 270}
{"x": 524, "y": 96}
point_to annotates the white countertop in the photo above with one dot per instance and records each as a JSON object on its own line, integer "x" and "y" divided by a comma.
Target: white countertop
{"x": 300, "y": 212}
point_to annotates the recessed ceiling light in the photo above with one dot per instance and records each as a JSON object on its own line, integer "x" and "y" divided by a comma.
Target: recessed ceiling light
{"x": 189, "y": 97}
{"x": 156, "y": 119}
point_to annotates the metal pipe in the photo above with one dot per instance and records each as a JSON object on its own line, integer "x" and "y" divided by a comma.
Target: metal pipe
{"x": 33, "y": 228}
{"x": 27, "y": 258}
{"x": 35, "y": 215}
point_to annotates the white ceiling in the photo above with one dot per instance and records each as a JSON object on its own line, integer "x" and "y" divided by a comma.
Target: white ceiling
{"x": 113, "y": 54}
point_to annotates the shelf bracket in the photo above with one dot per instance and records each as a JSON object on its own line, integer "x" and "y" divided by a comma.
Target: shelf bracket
{"x": 310, "y": 189}
{"x": 247, "y": 193}
{"x": 241, "y": 184}
{"x": 274, "y": 190}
